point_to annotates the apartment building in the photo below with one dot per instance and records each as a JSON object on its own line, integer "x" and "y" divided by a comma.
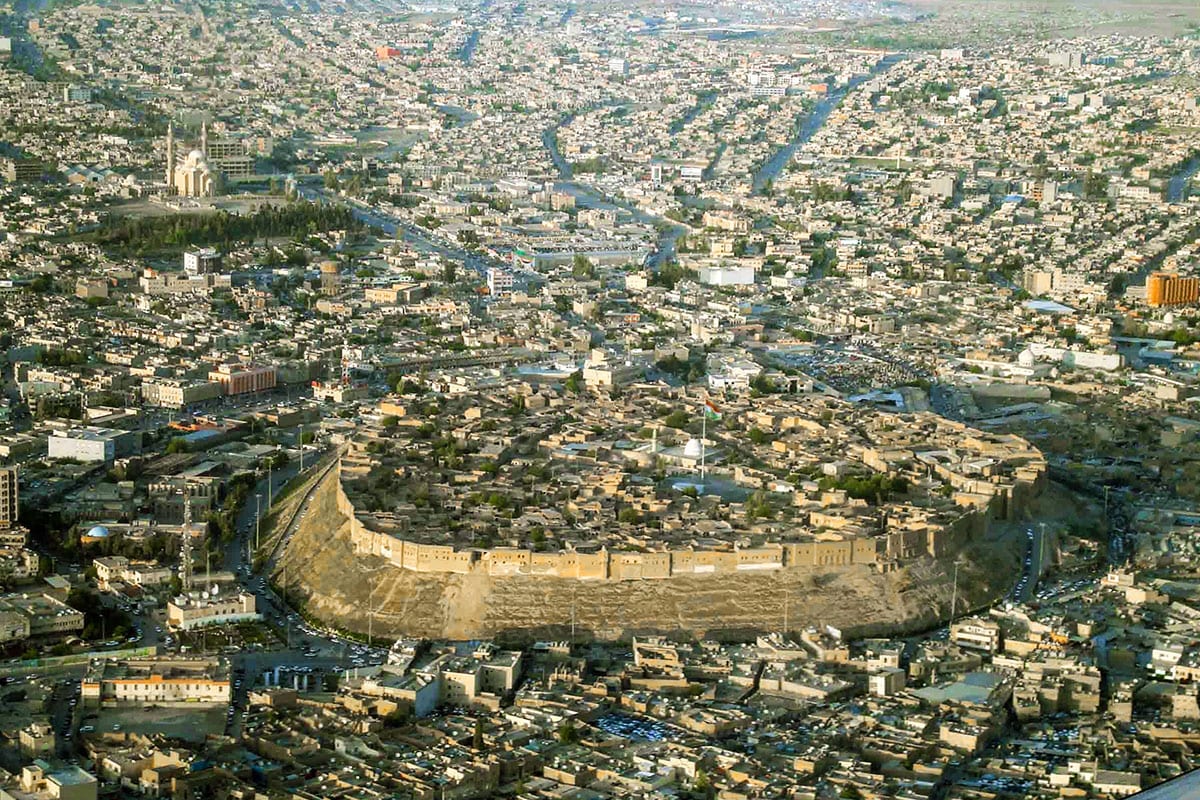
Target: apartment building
{"x": 243, "y": 378}
{"x": 8, "y": 498}
{"x": 1170, "y": 289}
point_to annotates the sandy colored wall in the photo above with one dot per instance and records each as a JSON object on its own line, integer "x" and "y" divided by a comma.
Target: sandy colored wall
{"x": 838, "y": 551}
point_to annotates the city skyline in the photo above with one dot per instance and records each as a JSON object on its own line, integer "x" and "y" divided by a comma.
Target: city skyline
{"x": 599, "y": 400}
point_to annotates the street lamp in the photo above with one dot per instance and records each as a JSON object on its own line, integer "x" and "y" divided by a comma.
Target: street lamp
{"x": 954, "y": 593}
{"x": 371, "y": 613}
{"x": 257, "y": 519}
{"x": 371, "y": 604}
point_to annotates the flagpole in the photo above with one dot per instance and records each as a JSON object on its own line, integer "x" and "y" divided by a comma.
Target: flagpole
{"x": 703, "y": 436}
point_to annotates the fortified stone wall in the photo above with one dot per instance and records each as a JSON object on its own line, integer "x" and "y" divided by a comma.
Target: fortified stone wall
{"x": 830, "y": 550}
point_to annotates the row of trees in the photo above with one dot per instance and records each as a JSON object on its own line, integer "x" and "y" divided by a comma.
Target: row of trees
{"x": 292, "y": 221}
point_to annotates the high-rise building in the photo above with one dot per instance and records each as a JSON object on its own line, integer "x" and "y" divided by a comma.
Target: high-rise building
{"x": 1066, "y": 59}
{"x": 8, "y": 497}
{"x": 500, "y": 282}
{"x": 201, "y": 261}
{"x": 231, "y": 156}
{"x": 1170, "y": 289}
{"x": 73, "y": 93}
{"x": 21, "y": 170}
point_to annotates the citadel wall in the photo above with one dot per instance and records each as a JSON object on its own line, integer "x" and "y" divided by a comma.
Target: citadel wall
{"x": 829, "y": 549}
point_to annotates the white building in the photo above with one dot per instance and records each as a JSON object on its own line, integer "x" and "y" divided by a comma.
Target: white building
{"x": 84, "y": 444}
{"x": 202, "y": 260}
{"x": 500, "y": 282}
{"x": 727, "y": 275}
{"x": 162, "y": 680}
{"x": 734, "y": 375}
{"x": 976, "y": 634}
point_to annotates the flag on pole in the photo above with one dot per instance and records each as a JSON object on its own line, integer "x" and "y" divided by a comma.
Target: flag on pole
{"x": 711, "y": 411}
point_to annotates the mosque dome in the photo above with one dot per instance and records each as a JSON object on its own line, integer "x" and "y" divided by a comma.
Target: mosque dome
{"x": 196, "y": 161}
{"x": 692, "y": 449}
{"x": 1026, "y": 358}
{"x": 97, "y": 532}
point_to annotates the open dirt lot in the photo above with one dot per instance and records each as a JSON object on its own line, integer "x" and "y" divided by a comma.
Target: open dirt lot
{"x": 190, "y": 723}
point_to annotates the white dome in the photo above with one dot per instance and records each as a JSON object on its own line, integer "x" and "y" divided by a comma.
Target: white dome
{"x": 692, "y": 449}
{"x": 97, "y": 532}
{"x": 196, "y": 160}
{"x": 1169, "y": 318}
{"x": 1026, "y": 358}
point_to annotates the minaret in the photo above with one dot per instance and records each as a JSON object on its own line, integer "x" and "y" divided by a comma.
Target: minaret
{"x": 204, "y": 138}
{"x": 170, "y": 158}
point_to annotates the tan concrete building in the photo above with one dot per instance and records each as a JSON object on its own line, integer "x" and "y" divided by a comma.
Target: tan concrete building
{"x": 157, "y": 681}
{"x": 243, "y": 378}
{"x": 198, "y": 610}
{"x": 44, "y": 615}
{"x": 176, "y": 393}
{"x": 38, "y": 781}
{"x": 8, "y": 497}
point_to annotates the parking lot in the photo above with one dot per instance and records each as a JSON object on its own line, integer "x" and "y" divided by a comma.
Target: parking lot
{"x": 637, "y": 728}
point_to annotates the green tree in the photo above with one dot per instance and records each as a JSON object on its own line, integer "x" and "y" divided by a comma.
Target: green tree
{"x": 677, "y": 419}
{"x": 582, "y": 268}
{"x": 567, "y": 733}
{"x": 1095, "y": 186}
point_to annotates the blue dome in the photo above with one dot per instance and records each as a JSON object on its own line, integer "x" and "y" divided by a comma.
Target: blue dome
{"x": 97, "y": 532}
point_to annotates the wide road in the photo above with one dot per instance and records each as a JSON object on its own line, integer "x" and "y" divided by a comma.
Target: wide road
{"x": 588, "y": 196}
{"x": 237, "y": 558}
{"x": 423, "y": 239}
{"x": 1033, "y": 562}
{"x": 814, "y": 121}
{"x": 304, "y": 645}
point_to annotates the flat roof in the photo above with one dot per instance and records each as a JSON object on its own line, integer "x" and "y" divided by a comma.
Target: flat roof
{"x": 974, "y": 687}
{"x": 1048, "y": 307}
{"x": 71, "y": 776}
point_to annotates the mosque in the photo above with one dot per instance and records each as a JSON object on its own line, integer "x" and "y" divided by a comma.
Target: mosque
{"x": 192, "y": 176}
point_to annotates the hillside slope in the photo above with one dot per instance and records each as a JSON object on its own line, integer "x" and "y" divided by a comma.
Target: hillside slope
{"x": 337, "y": 587}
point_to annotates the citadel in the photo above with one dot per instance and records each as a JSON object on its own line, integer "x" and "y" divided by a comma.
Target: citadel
{"x": 818, "y": 485}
